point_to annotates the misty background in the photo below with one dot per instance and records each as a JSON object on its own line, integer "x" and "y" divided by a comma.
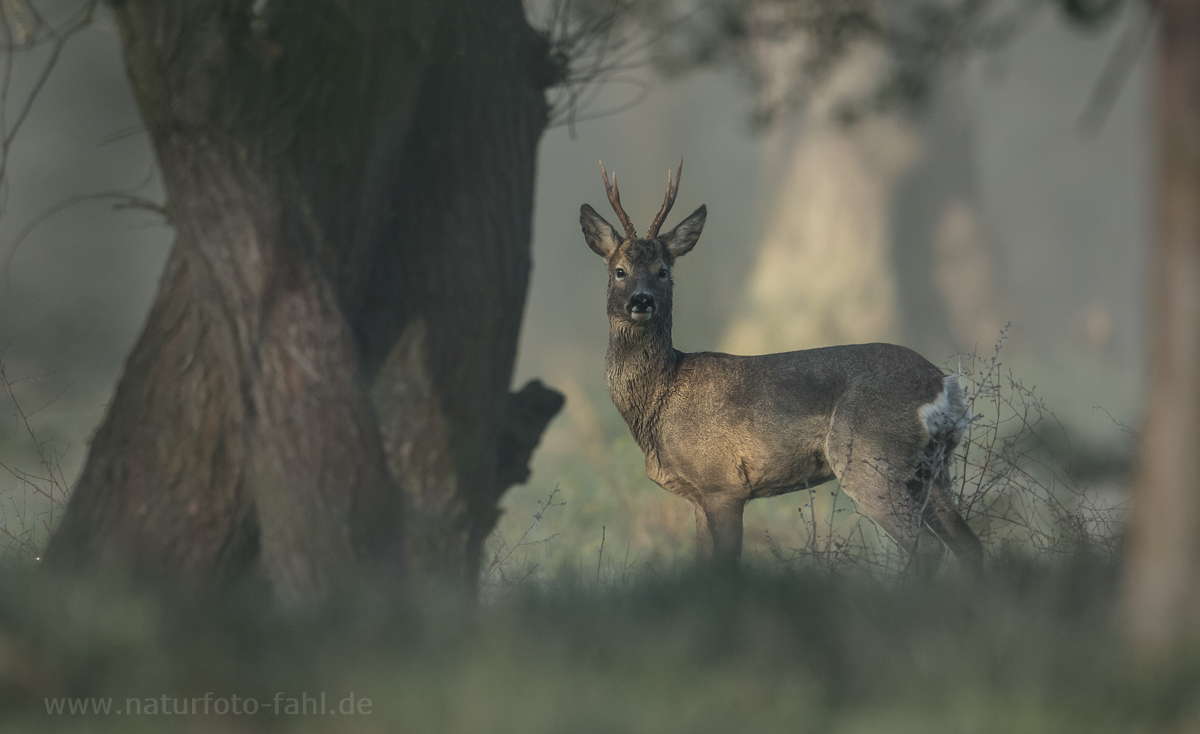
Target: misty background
{"x": 933, "y": 231}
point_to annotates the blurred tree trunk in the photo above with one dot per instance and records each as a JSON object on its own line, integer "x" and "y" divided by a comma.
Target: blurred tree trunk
{"x": 943, "y": 260}
{"x": 830, "y": 185}
{"x": 884, "y": 209}
{"x": 1162, "y": 577}
{"x": 322, "y": 382}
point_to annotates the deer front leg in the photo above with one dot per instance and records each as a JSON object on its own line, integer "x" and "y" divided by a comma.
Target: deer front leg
{"x": 718, "y": 528}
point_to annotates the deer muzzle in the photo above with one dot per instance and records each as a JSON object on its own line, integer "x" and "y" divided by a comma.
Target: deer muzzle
{"x": 641, "y": 306}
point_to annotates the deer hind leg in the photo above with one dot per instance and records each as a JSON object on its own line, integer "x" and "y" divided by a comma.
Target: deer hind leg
{"x": 947, "y": 522}
{"x": 718, "y": 528}
{"x": 879, "y": 482}
{"x": 887, "y": 500}
{"x": 945, "y": 419}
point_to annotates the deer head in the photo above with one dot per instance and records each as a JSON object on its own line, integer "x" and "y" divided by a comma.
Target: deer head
{"x": 639, "y": 268}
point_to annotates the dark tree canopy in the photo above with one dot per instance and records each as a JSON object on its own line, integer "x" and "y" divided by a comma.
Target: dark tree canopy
{"x": 920, "y": 38}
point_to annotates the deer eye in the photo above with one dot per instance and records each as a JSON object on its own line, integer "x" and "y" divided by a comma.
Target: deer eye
{"x": 620, "y": 272}
{"x": 662, "y": 273}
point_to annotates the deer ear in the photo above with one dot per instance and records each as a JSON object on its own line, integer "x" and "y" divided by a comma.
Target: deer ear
{"x": 682, "y": 239}
{"x": 600, "y": 235}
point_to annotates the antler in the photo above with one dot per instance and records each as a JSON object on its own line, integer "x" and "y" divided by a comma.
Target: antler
{"x": 614, "y": 198}
{"x": 668, "y": 201}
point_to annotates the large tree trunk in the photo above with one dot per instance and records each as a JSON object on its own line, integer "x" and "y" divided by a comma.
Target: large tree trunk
{"x": 1162, "y": 576}
{"x": 327, "y": 362}
{"x": 943, "y": 263}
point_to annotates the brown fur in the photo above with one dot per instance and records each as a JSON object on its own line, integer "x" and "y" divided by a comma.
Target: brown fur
{"x": 720, "y": 429}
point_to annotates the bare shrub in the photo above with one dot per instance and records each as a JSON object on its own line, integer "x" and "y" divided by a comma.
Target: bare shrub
{"x": 30, "y": 501}
{"x": 1012, "y": 485}
{"x": 508, "y": 564}
{"x": 1009, "y": 479}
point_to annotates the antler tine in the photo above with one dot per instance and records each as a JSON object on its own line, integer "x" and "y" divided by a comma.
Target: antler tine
{"x": 614, "y": 198}
{"x": 668, "y": 201}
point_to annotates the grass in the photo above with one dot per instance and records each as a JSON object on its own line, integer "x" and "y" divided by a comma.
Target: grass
{"x": 815, "y": 634}
{"x": 1029, "y": 648}
{"x": 1014, "y": 475}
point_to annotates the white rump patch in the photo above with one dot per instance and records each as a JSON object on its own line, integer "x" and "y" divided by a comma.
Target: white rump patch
{"x": 948, "y": 416}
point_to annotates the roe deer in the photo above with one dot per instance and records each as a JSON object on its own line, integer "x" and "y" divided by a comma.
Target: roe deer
{"x": 720, "y": 429}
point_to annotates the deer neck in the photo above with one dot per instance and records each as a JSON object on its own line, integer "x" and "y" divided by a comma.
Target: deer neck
{"x": 640, "y": 367}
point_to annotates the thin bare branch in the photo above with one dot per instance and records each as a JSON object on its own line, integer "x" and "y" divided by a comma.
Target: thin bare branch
{"x": 123, "y": 199}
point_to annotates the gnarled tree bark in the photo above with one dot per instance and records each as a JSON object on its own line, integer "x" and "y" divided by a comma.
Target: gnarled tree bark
{"x": 323, "y": 378}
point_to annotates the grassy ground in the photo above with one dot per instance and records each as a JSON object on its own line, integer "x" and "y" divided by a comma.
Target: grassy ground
{"x": 1028, "y": 648}
{"x": 816, "y": 634}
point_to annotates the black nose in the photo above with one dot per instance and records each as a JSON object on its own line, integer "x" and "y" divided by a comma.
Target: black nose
{"x": 641, "y": 303}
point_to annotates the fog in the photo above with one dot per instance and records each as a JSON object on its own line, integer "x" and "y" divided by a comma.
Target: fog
{"x": 935, "y": 232}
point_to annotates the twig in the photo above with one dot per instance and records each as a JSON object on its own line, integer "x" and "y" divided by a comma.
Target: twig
{"x": 60, "y": 41}
{"x": 124, "y": 201}
{"x": 601, "y": 558}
